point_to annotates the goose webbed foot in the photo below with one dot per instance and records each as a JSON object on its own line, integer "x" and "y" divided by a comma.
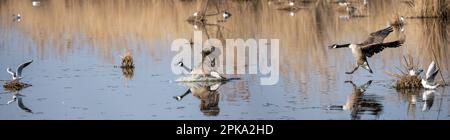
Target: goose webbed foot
{"x": 354, "y": 69}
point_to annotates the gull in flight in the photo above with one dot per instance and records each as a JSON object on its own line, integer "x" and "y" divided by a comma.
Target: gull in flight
{"x": 428, "y": 82}
{"x": 18, "y": 75}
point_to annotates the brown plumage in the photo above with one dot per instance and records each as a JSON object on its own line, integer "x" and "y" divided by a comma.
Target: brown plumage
{"x": 371, "y": 46}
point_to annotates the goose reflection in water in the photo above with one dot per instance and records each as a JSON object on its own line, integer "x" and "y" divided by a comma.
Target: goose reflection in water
{"x": 359, "y": 103}
{"x": 207, "y": 92}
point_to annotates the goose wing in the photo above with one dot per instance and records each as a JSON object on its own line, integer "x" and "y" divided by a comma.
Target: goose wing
{"x": 371, "y": 50}
{"x": 216, "y": 75}
{"x": 431, "y": 72}
{"x": 378, "y": 36}
{"x": 21, "y": 66}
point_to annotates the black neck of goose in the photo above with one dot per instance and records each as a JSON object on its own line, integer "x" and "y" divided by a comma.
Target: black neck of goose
{"x": 340, "y": 46}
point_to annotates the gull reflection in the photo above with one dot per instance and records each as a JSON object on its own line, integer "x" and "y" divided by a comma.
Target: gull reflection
{"x": 18, "y": 97}
{"x": 428, "y": 99}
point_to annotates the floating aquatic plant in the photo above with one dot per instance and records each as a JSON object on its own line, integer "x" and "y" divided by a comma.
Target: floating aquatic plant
{"x": 15, "y": 85}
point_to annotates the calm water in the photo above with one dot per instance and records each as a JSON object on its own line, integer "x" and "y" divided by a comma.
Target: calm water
{"x": 76, "y": 46}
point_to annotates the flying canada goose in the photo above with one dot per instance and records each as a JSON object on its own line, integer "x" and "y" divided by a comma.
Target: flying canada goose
{"x": 428, "y": 82}
{"x": 18, "y": 75}
{"x": 373, "y": 45}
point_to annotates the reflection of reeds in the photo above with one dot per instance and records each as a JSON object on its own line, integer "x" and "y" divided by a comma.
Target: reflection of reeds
{"x": 128, "y": 73}
{"x": 433, "y": 8}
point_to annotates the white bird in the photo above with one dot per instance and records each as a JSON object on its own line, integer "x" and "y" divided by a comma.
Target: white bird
{"x": 216, "y": 75}
{"x": 35, "y": 3}
{"x": 291, "y": 14}
{"x": 428, "y": 82}
{"x": 415, "y": 72}
{"x": 18, "y": 75}
{"x": 428, "y": 98}
{"x": 291, "y": 3}
{"x": 344, "y": 4}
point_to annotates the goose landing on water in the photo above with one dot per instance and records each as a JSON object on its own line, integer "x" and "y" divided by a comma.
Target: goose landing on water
{"x": 373, "y": 45}
{"x": 428, "y": 82}
{"x": 18, "y": 75}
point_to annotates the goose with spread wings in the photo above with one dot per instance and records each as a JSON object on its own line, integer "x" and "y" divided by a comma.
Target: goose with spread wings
{"x": 371, "y": 46}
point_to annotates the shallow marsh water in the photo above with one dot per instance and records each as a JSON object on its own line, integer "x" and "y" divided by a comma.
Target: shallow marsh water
{"x": 76, "y": 47}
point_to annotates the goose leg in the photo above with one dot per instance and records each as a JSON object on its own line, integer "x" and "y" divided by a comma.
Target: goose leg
{"x": 351, "y": 72}
{"x": 367, "y": 67}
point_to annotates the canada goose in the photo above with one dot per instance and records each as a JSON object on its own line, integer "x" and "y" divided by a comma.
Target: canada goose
{"x": 373, "y": 45}
{"x": 428, "y": 82}
{"x": 357, "y": 102}
{"x": 226, "y": 15}
{"x": 18, "y": 75}
{"x": 357, "y": 92}
{"x": 17, "y": 18}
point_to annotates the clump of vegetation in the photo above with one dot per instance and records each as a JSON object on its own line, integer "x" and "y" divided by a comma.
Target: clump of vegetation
{"x": 127, "y": 60}
{"x": 405, "y": 80}
{"x": 14, "y": 85}
{"x": 431, "y": 8}
{"x": 408, "y": 82}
